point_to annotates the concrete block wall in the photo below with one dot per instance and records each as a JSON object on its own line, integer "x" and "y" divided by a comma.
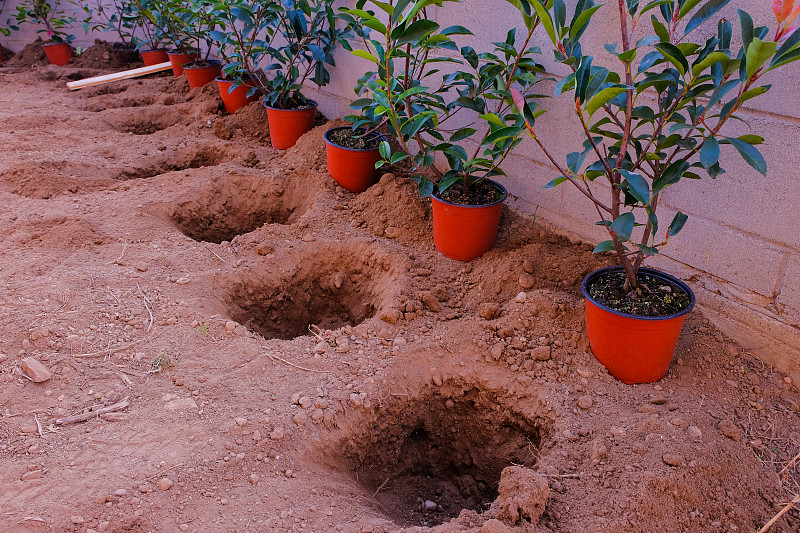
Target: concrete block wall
{"x": 740, "y": 249}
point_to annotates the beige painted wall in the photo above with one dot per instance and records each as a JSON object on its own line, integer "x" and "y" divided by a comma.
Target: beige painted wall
{"x": 740, "y": 248}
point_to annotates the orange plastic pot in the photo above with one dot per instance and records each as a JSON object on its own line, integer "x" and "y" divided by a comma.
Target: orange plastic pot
{"x": 179, "y": 59}
{"x": 634, "y": 349}
{"x": 58, "y": 53}
{"x": 237, "y": 98}
{"x": 199, "y": 76}
{"x": 288, "y": 125}
{"x": 353, "y": 168}
{"x": 466, "y": 232}
{"x": 154, "y": 57}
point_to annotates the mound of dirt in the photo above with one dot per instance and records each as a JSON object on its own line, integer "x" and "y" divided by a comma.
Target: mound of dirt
{"x": 32, "y": 54}
{"x": 96, "y": 56}
{"x": 5, "y": 54}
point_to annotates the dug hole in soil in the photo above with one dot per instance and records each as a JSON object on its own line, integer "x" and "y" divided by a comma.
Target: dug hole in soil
{"x": 292, "y": 357}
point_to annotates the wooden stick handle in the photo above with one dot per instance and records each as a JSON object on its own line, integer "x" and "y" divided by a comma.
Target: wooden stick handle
{"x": 124, "y": 75}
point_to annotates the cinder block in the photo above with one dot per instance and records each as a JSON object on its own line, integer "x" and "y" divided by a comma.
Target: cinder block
{"x": 743, "y": 198}
{"x": 728, "y": 254}
{"x": 790, "y": 288}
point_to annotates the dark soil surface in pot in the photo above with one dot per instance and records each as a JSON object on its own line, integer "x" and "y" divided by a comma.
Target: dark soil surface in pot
{"x": 356, "y": 141}
{"x": 481, "y": 193}
{"x": 299, "y": 358}
{"x": 201, "y": 63}
{"x": 654, "y": 297}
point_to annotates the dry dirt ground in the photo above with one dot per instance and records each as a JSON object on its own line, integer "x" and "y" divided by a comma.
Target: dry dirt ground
{"x": 160, "y": 253}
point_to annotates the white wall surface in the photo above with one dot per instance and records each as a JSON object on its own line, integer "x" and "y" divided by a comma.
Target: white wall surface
{"x": 740, "y": 248}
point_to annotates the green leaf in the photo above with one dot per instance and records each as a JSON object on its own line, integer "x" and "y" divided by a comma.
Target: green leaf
{"x": 425, "y": 187}
{"x": 605, "y": 246}
{"x": 623, "y": 226}
{"x": 673, "y": 54}
{"x": 502, "y": 133}
{"x": 455, "y": 30}
{"x": 757, "y": 54}
{"x": 751, "y": 139}
{"x": 746, "y": 24}
{"x": 687, "y": 6}
{"x": 677, "y": 224}
{"x": 638, "y": 186}
{"x": 757, "y": 91}
{"x": 647, "y": 251}
{"x": 385, "y": 150}
{"x": 672, "y": 174}
{"x": 544, "y": 17}
{"x": 704, "y": 13}
{"x": 710, "y": 59}
{"x": 461, "y": 134}
{"x": 709, "y": 153}
{"x": 416, "y": 31}
{"x": 366, "y": 55}
{"x": 603, "y": 97}
{"x": 553, "y": 183}
{"x": 660, "y": 29}
{"x": 494, "y": 118}
{"x": 750, "y": 154}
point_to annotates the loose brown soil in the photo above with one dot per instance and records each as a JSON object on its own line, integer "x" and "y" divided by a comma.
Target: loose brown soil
{"x": 290, "y": 367}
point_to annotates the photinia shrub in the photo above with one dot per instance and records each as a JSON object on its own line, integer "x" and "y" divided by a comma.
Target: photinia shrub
{"x": 659, "y": 117}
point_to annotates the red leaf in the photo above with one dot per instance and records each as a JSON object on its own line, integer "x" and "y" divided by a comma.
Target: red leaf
{"x": 782, "y": 8}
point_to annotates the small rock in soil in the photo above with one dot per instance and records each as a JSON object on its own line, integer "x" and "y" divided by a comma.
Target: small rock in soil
{"x": 429, "y": 505}
{"x": 3, "y": 357}
{"x": 180, "y": 404}
{"x": 276, "y": 434}
{"x": 306, "y": 402}
{"x": 489, "y": 310}
{"x": 658, "y": 400}
{"x": 523, "y": 495}
{"x": 240, "y": 421}
{"x": 494, "y": 526}
{"x": 673, "y": 459}
{"x": 430, "y": 301}
{"x": 77, "y": 520}
{"x": 729, "y": 429}
{"x": 391, "y": 316}
{"x": 35, "y": 370}
{"x": 142, "y": 266}
{"x": 585, "y": 402}
{"x": 694, "y": 432}
{"x": 521, "y": 298}
{"x": 527, "y": 266}
{"x": 392, "y": 232}
{"x": 526, "y": 281}
{"x": 541, "y": 353}
{"x": 164, "y": 483}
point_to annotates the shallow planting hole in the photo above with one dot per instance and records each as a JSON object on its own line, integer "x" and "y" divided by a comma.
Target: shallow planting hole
{"x": 143, "y": 122}
{"x": 426, "y": 459}
{"x": 329, "y": 290}
{"x": 225, "y": 209}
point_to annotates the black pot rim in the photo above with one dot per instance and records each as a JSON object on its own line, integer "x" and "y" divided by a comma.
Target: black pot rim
{"x": 313, "y": 105}
{"x": 247, "y": 83}
{"x": 56, "y": 44}
{"x": 327, "y": 140}
{"x": 213, "y": 63}
{"x": 153, "y": 50}
{"x": 494, "y": 184}
{"x": 644, "y": 270}
{"x": 175, "y": 52}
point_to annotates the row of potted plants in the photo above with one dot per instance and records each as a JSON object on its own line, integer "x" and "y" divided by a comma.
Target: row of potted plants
{"x": 451, "y": 115}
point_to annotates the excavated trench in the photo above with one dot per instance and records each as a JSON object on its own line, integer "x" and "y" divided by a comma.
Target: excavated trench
{"x": 426, "y": 458}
